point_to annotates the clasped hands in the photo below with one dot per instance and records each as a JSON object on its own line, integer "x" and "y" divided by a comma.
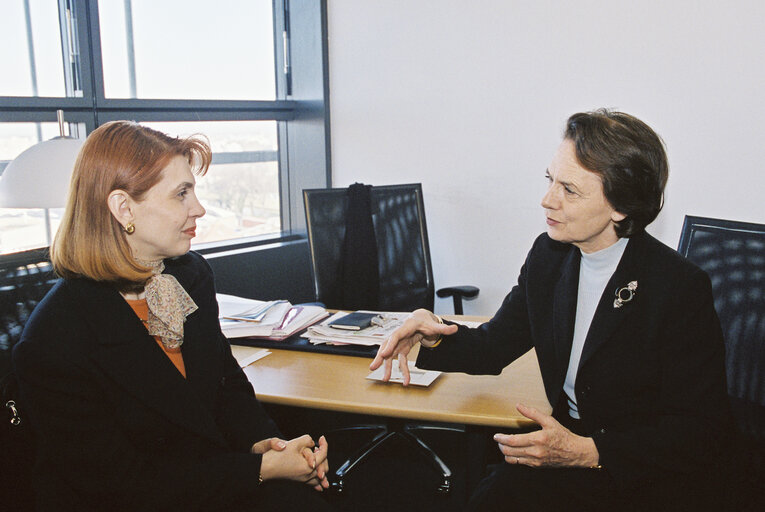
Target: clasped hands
{"x": 552, "y": 446}
{"x": 298, "y": 459}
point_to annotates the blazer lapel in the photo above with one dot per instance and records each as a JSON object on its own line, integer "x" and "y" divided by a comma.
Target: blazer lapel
{"x": 201, "y": 379}
{"x": 564, "y": 309}
{"x": 132, "y": 358}
{"x": 608, "y": 317}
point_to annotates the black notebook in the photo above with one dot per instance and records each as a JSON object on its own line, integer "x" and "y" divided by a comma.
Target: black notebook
{"x": 353, "y": 321}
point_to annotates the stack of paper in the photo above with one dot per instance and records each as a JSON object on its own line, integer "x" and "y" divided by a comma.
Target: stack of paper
{"x": 273, "y": 320}
{"x": 375, "y": 334}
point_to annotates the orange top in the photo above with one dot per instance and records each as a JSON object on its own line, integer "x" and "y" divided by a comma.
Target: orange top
{"x": 141, "y": 309}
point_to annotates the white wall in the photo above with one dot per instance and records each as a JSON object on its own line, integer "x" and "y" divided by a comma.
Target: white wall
{"x": 470, "y": 98}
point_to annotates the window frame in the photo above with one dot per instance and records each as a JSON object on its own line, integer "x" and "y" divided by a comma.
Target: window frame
{"x": 301, "y": 107}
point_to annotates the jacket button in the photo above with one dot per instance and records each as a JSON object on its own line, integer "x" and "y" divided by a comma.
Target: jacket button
{"x": 602, "y": 431}
{"x": 223, "y": 381}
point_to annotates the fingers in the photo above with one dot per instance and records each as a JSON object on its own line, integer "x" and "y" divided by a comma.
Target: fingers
{"x": 420, "y": 324}
{"x": 517, "y": 449}
{"x": 388, "y": 370}
{"x": 388, "y": 348}
{"x": 309, "y": 457}
{"x": 544, "y": 420}
{"x": 304, "y": 440}
{"x": 277, "y": 444}
{"x": 378, "y": 360}
{"x": 272, "y": 443}
{"x": 403, "y": 367}
{"x": 318, "y": 484}
{"x": 304, "y": 445}
{"x": 515, "y": 440}
{"x": 383, "y": 353}
{"x": 259, "y": 448}
{"x": 320, "y": 455}
{"x": 397, "y": 341}
{"x": 446, "y": 329}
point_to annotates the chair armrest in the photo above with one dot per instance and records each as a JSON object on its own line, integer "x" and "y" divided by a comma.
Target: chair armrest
{"x": 466, "y": 292}
{"x": 457, "y": 293}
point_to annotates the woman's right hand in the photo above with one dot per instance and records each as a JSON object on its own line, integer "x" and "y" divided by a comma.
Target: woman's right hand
{"x": 298, "y": 461}
{"x": 422, "y": 326}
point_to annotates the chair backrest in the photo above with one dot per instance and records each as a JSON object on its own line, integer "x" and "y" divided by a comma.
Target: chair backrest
{"x": 25, "y": 278}
{"x": 398, "y": 216}
{"x": 733, "y": 254}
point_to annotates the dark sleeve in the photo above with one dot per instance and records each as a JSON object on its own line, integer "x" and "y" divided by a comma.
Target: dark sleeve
{"x": 489, "y": 348}
{"x": 82, "y": 444}
{"x": 687, "y": 432}
{"x": 239, "y": 414}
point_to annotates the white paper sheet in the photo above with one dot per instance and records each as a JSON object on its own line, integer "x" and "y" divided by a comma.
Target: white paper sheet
{"x": 248, "y": 355}
{"x": 417, "y": 377}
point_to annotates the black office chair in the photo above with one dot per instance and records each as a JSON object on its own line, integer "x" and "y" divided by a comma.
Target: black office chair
{"x": 403, "y": 253}
{"x": 25, "y": 278}
{"x": 395, "y": 239}
{"x": 733, "y": 254}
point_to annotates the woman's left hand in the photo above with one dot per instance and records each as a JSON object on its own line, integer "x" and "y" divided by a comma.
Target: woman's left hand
{"x": 272, "y": 443}
{"x": 553, "y": 446}
{"x": 321, "y": 464}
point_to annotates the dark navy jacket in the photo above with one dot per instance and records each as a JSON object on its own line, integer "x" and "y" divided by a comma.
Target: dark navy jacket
{"x": 118, "y": 427}
{"x": 651, "y": 386}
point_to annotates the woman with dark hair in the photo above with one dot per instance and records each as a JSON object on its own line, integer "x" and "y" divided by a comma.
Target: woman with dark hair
{"x": 626, "y": 334}
{"x": 131, "y": 389}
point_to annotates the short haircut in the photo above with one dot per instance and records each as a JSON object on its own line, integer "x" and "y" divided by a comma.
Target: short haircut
{"x": 630, "y": 159}
{"x": 117, "y": 155}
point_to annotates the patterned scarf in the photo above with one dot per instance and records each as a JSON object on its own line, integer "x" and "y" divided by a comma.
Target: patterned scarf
{"x": 169, "y": 305}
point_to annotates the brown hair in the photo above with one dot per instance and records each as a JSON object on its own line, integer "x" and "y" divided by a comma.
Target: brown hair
{"x": 630, "y": 159}
{"x": 117, "y": 155}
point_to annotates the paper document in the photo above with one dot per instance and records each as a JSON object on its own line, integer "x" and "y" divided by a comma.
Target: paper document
{"x": 296, "y": 320}
{"x": 375, "y": 334}
{"x": 248, "y": 355}
{"x": 250, "y": 310}
{"x": 417, "y": 377}
{"x": 273, "y": 320}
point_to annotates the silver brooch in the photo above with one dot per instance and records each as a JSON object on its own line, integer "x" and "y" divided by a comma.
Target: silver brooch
{"x": 625, "y": 294}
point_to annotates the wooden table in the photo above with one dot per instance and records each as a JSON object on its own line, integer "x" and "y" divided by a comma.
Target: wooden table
{"x": 338, "y": 383}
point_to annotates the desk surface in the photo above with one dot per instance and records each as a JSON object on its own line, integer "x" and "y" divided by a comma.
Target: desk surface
{"x": 339, "y": 383}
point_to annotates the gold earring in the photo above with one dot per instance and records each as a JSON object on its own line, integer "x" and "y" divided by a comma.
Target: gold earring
{"x": 130, "y": 228}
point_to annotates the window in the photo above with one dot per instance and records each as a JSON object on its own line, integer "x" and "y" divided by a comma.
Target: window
{"x": 230, "y": 69}
{"x": 241, "y": 189}
{"x": 170, "y": 50}
{"x": 31, "y": 42}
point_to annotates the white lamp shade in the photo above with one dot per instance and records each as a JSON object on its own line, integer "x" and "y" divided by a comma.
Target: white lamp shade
{"x": 39, "y": 177}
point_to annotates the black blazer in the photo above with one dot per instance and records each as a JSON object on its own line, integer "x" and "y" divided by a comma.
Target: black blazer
{"x": 118, "y": 427}
{"x": 651, "y": 386}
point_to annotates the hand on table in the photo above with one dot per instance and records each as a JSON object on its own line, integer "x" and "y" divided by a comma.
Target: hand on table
{"x": 553, "y": 446}
{"x": 422, "y": 326}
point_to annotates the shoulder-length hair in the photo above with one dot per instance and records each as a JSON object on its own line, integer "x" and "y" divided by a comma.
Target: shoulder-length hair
{"x": 117, "y": 155}
{"x": 630, "y": 159}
